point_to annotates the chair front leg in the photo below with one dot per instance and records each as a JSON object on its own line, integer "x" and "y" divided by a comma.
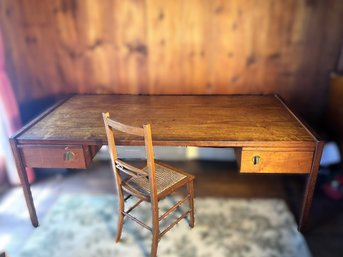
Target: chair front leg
{"x": 190, "y": 188}
{"x": 154, "y": 244}
{"x": 120, "y": 215}
{"x": 155, "y": 228}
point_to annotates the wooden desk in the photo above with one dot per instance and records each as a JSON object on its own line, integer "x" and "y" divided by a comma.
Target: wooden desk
{"x": 267, "y": 136}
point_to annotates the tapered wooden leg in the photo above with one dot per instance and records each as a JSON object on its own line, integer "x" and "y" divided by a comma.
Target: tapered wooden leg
{"x": 120, "y": 215}
{"x": 155, "y": 227}
{"x": 190, "y": 188}
{"x": 24, "y": 183}
{"x": 154, "y": 243}
{"x": 310, "y": 186}
{"x": 120, "y": 226}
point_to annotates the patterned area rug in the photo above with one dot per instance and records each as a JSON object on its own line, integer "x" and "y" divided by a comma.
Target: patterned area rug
{"x": 85, "y": 225}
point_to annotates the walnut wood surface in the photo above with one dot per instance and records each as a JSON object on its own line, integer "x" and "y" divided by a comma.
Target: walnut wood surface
{"x": 240, "y": 121}
{"x": 230, "y": 120}
{"x": 276, "y": 161}
{"x": 53, "y": 156}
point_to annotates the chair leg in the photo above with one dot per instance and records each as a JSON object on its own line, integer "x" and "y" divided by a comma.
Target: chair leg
{"x": 120, "y": 217}
{"x": 155, "y": 228}
{"x": 191, "y": 202}
{"x": 154, "y": 244}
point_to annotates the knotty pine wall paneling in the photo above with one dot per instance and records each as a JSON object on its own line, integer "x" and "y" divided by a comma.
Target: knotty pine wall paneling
{"x": 59, "y": 47}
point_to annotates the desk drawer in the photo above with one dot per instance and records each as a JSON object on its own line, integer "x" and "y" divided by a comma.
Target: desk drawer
{"x": 57, "y": 156}
{"x": 255, "y": 160}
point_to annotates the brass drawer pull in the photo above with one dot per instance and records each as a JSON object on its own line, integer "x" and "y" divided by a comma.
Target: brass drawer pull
{"x": 69, "y": 156}
{"x": 256, "y": 160}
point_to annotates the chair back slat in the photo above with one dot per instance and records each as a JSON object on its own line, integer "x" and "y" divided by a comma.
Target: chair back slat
{"x": 129, "y": 169}
{"x": 119, "y": 165}
{"x": 125, "y": 128}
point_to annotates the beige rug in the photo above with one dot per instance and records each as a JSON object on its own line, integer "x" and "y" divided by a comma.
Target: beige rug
{"x": 85, "y": 225}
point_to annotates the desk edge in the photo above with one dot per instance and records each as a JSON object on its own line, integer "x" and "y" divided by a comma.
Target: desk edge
{"x": 39, "y": 117}
{"x": 303, "y": 123}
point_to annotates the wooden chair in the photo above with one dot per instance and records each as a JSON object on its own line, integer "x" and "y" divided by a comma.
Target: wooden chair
{"x": 152, "y": 183}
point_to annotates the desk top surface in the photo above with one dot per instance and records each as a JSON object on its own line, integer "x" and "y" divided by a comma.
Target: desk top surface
{"x": 225, "y": 120}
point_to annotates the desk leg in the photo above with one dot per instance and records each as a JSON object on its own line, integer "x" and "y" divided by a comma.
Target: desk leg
{"x": 310, "y": 186}
{"x": 24, "y": 182}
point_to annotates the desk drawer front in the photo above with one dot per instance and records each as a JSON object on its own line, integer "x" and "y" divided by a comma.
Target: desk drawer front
{"x": 275, "y": 161}
{"x": 56, "y": 156}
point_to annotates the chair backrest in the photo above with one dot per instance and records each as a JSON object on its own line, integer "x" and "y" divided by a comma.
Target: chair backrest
{"x": 120, "y": 166}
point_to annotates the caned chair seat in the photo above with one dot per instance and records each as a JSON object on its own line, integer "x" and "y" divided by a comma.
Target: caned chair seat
{"x": 165, "y": 179}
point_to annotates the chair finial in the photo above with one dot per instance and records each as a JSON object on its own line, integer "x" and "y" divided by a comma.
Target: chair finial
{"x": 106, "y": 114}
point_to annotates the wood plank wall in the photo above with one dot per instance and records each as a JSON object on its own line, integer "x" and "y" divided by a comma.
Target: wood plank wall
{"x": 174, "y": 47}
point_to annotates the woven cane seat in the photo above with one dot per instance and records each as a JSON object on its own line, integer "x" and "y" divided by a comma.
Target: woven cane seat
{"x": 165, "y": 178}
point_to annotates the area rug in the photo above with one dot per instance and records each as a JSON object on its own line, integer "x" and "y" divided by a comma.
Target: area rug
{"x": 85, "y": 225}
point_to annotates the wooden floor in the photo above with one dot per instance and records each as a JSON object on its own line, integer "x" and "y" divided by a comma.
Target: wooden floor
{"x": 218, "y": 179}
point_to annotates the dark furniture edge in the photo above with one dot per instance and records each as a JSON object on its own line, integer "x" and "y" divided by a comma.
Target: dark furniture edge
{"x": 127, "y": 94}
{"x": 39, "y": 117}
{"x": 103, "y": 142}
{"x": 231, "y": 144}
{"x": 303, "y": 123}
